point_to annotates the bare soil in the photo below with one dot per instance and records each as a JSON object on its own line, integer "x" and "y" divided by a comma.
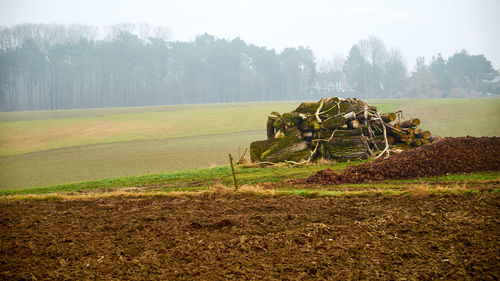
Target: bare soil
{"x": 446, "y": 156}
{"x": 224, "y": 236}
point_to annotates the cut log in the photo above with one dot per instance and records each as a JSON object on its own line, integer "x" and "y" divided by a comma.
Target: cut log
{"x": 331, "y": 107}
{"x": 334, "y": 122}
{"x": 410, "y": 123}
{"x": 353, "y": 124}
{"x": 393, "y": 132}
{"x": 390, "y": 139}
{"x": 410, "y": 139}
{"x": 258, "y": 147}
{"x": 279, "y": 134}
{"x": 424, "y": 135}
{"x": 290, "y": 119}
{"x": 270, "y": 128}
{"x": 402, "y": 137}
{"x": 307, "y": 135}
{"x": 311, "y": 107}
{"x": 325, "y": 133}
{"x": 379, "y": 141}
{"x": 291, "y": 137}
{"x": 294, "y": 152}
{"x": 417, "y": 142}
{"x": 350, "y": 116}
{"x": 307, "y": 124}
{"x": 347, "y": 148}
{"x": 388, "y": 117}
{"x": 403, "y": 146}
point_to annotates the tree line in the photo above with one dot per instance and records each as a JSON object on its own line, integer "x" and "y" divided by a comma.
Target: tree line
{"x": 371, "y": 70}
{"x": 51, "y": 66}
{"x": 58, "y": 67}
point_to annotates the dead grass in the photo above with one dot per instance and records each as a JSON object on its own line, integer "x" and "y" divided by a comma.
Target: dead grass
{"x": 263, "y": 190}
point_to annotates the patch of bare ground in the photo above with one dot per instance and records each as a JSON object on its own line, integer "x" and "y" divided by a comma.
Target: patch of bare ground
{"x": 221, "y": 236}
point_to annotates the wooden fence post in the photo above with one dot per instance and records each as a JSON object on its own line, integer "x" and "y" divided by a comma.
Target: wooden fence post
{"x": 232, "y": 169}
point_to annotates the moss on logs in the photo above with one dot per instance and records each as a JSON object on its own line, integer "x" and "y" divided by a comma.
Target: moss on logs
{"x": 291, "y": 119}
{"x": 334, "y": 122}
{"x": 327, "y": 133}
{"x": 346, "y": 148}
{"x": 307, "y": 125}
{"x": 331, "y": 108}
{"x": 258, "y": 147}
{"x": 311, "y": 107}
{"x": 292, "y": 136}
{"x": 294, "y": 152}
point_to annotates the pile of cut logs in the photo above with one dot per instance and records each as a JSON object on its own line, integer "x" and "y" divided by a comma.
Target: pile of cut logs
{"x": 336, "y": 129}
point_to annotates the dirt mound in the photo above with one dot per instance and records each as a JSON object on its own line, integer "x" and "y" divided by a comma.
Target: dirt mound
{"x": 449, "y": 155}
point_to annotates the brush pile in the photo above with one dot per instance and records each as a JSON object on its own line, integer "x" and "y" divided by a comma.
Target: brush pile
{"x": 336, "y": 129}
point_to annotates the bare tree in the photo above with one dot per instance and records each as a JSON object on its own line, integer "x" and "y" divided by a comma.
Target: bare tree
{"x": 162, "y": 33}
{"x": 373, "y": 50}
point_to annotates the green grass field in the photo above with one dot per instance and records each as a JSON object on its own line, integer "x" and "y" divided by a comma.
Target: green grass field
{"x": 24, "y": 132}
{"x": 456, "y": 117}
{"x": 258, "y": 181}
{"x": 58, "y": 147}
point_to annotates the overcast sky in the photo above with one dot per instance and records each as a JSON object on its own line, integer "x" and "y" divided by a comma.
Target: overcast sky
{"x": 417, "y": 28}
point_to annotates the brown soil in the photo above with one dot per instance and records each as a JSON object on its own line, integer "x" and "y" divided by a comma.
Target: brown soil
{"x": 449, "y": 155}
{"x": 219, "y": 237}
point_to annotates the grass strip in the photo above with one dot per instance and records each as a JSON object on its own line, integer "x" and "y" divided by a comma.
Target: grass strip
{"x": 183, "y": 179}
{"x": 202, "y": 180}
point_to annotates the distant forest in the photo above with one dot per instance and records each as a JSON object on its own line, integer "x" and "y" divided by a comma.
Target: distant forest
{"x": 51, "y": 66}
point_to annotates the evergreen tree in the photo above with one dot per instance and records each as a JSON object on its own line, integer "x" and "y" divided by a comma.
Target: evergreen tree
{"x": 356, "y": 71}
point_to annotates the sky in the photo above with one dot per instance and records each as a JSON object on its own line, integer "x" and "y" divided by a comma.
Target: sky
{"x": 328, "y": 28}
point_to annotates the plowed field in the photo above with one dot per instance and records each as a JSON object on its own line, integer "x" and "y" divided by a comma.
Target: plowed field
{"x": 220, "y": 236}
